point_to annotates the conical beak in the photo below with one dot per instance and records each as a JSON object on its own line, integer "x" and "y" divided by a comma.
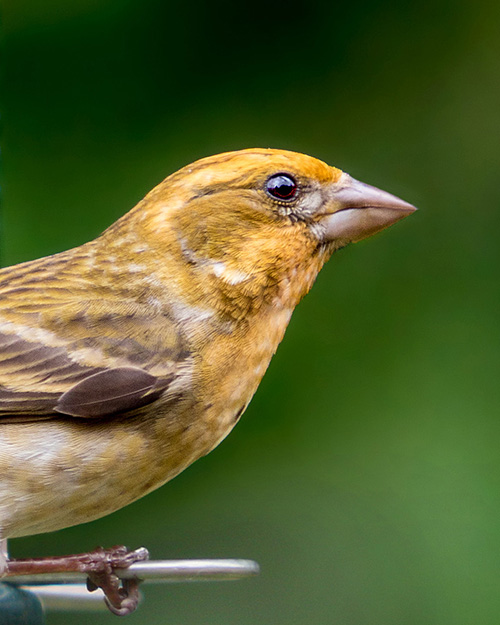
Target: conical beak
{"x": 357, "y": 210}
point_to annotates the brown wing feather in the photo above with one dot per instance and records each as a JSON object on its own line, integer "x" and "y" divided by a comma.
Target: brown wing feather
{"x": 110, "y": 392}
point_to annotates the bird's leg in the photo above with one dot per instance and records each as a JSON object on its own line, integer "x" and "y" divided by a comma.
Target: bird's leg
{"x": 121, "y": 596}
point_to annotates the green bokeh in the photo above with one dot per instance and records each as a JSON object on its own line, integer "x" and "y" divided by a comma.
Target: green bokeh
{"x": 365, "y": 475}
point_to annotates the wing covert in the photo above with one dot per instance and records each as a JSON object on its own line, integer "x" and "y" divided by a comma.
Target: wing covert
{"x": 38, "y": 380}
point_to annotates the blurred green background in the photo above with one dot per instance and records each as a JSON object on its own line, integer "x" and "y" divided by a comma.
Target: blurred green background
{"x": 365, "y": 475}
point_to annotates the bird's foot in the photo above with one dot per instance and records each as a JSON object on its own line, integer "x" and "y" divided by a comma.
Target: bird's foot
{"x": 121, "y": 596}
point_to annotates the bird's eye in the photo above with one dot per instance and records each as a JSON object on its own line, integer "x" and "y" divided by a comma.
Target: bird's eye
{"x": 282, "y": 187}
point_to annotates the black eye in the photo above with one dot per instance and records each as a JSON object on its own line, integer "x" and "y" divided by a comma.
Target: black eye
{"x": 281, "y": 187}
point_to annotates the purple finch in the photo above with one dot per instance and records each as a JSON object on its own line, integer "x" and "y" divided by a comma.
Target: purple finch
{"x": 124, "y": 360}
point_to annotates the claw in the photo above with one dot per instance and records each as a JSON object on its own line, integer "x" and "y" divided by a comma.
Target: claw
{"x": 121, "y": 596}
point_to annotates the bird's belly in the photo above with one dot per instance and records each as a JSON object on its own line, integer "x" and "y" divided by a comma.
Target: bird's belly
{"x": 54, "y": 474}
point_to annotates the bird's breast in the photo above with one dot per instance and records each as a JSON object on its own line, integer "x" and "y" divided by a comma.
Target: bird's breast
{"x": 233, "y": 367}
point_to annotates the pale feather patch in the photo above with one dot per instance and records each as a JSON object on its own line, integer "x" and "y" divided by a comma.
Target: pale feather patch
{"x": 217, "y": 267}
{"x": 230, "y": 276}
{"x": 34, "y": 335}
{"x": 136, "y": 268}
{"x": 182, "y": 312}
{"x": 318, "y": 230}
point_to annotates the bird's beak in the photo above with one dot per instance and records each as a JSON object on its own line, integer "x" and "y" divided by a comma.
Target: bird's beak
{"x": 357, "y": 210}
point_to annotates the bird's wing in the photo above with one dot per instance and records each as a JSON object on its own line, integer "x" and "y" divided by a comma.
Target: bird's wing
{"x": 88, "y": 363}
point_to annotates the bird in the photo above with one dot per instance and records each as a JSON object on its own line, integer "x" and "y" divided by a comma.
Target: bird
{"x": 124, "y": 360}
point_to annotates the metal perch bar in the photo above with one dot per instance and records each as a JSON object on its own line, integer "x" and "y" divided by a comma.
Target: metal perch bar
{"x": 58, "y": 591}
{"x": 156, "y": 571}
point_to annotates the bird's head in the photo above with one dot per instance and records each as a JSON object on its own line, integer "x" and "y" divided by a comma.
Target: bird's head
{"x": 258, "y": 219}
